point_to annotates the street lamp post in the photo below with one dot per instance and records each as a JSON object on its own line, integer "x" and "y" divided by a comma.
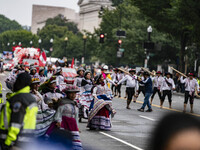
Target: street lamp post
{"x": 149, "y": 30}
{"x": 8, "y": 46}
{"x": 40, "y": 41}
{"x": 51, "y": 47}
{"x": 31, "y": 43}
{"x": 84, "y": 46}
{"x": 66, "y": 42}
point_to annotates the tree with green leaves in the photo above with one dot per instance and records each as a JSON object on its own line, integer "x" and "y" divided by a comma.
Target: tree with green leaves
{"x": 7, "y": 24}
{"x": 179, "y": 18}
{"x": 60, "y": 20}
{"x": 135, "y": 24}
{"x": 19, "y": 36}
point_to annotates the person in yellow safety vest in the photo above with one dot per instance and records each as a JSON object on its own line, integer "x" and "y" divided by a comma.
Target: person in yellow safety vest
{"x": 18, "y": 115}
{"x": 1, "y": 96}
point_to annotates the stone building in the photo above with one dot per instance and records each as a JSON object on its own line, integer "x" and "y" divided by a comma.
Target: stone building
{"x": 87, "y": 19}
{"x": 41, "y": 13}
{"x": 89, "y": 13}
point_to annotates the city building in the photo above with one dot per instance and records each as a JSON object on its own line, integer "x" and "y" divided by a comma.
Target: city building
{"x": 89, "y": 13}
{"x": 87, "y": 19}
{"x": 41, "y": 13}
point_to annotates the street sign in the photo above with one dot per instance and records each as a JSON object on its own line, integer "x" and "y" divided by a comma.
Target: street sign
{"x": 121, "y": 49}
{"x": 119, "y": 54}
{"x": 121, "y": 33}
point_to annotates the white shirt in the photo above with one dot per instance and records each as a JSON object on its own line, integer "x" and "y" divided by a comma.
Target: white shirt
{"x": 117, "y": 77}
{"x": 190, "y": 85}
{"x": 157, "y": 81}
{"x": 165, "y": 86}
{"x": 131, "y": 81}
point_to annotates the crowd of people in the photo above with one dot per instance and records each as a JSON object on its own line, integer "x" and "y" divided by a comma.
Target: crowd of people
{"x": 42, "y": 102}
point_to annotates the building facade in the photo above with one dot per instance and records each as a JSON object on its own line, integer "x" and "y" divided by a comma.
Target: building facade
{"x": 87, "y": 19}
{"x": 89, "y": 13}
{"x": 41, "y": 13}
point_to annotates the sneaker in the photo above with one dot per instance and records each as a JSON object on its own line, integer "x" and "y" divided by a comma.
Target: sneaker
{"x": 149, "y": 110}
{"x": 142, "y": 110}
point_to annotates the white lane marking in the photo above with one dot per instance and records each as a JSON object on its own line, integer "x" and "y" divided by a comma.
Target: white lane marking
{"x": 2, "y": 74}
{"x": 147, "y": 118}
{"x": 124, "y": 142}
{"x": 3, "y": 89}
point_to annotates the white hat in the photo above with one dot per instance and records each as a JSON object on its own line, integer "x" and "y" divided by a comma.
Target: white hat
{"x": 105, "y": 67}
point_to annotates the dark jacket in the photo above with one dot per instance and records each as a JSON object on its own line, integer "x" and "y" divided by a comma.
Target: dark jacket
{"x": 148, "y": 85}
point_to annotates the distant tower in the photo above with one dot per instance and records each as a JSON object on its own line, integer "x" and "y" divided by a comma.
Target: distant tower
{"x": 89, "y": 13}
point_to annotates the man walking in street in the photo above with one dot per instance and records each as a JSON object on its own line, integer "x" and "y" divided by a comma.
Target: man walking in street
{"x": 148, "y": 91}
{"x": 18, "y": 115}
{"x": 190, "y": 85}
{"x": 157, "y": 82}
{"x": 167, "y": 87}
{"x": 131, "y": 85}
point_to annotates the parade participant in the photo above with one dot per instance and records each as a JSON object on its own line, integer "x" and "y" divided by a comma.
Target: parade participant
{"x": 79, "y": 78}
{"x": 33, "y": 72}
{"x": 10, "y": 80}
{"x": 60, "y": 79}
{"x": 100, "y": 109}
{"x": 167, "y": 87}
{"x": 85, "y": 97}
{"x": 131, "y": 85}
{"x": 42, "y": 77}
{"x": 190, "y": 85}
{"x": 1, "y": 96}
{"x": 107, "y": 76}
{"x": 157, "y": 82}
{"x": 18, "y": 115}
{"x": 45, "y": 114}
{"x": 141, "y": 86}
{"x": 67, "y": 115}
{"x": 50, "y": 92}
{"x": 120, "y": 77}
{"x": 115, "y": 79}
{"x": 148, "y": 91}
{"x": 1, "y": 65}
{"x": 50, "y": 71}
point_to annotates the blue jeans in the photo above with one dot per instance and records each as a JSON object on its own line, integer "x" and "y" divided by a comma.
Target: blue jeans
{"x": 146, "y": 101}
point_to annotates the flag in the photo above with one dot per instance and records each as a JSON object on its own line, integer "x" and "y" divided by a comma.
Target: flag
{"x": 42, "y": 59}
{"x": 72, "y": 64}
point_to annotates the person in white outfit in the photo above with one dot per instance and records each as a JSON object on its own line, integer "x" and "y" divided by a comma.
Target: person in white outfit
{"x": 157, "y": 82}
{"x": 131, "y": 85}
{"x": 167, "y": 87}
{"x": 190, "y": 85}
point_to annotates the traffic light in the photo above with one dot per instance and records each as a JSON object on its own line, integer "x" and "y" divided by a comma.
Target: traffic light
{"x": 101, "y": 40}
{"x": 119, "y": 43}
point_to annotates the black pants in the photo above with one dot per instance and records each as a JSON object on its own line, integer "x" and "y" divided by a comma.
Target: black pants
{"x": 187, "y": 96}
{"x": 141, "y": 89}
{"x": 155, "y": 90}
{"x": 167, "y": 93}
{"x": 130, "y": 91}
{"x": 116, "y": 89}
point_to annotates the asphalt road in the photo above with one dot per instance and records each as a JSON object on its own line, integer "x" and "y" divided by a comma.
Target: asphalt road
{"x": 130, "y": 129}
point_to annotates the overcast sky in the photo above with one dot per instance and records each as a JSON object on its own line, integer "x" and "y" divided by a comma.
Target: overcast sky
{"x": 21, "y": 10}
